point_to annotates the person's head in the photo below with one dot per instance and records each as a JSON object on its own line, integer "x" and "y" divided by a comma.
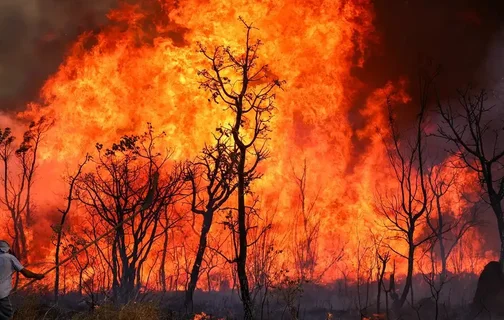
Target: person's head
{"x": 4, "y": 246}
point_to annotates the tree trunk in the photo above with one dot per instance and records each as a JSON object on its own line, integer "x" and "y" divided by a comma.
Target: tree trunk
{"x": 409, "y": 278}
{"x": 56, "y": 257}
{"x": 207, "y": 222}
{"x": 23, "y": 254}
{"x": 497, "y": 208}
{"x": 442, "y": 250}
{"x": 162, "y": 268}
{"x": 380, "y": 284}
{"x": 57, "y": 270}
{"x": 241, "y": 263}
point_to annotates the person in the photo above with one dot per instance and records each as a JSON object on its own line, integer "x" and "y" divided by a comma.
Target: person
{"x": 8, "y": 264}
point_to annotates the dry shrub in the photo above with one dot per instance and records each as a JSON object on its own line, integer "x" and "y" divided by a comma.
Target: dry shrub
{"x": 131, "y": 311}
{"x": 28, "y": 310}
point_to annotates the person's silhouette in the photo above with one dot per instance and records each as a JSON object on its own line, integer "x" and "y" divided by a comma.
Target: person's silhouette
{"x": 8, "y": 265}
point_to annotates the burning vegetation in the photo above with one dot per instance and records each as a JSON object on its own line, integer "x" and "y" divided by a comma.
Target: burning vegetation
{"x": 197, "y": 157}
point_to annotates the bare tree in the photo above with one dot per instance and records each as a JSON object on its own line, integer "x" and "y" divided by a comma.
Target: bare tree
{"x": 305, "y": 240}
{"x": 476, "y": 139}
{"x": 435, "y": 280}
{"x": 382, "y": 259}
{"x": 128, "y": 175}
{"x": 447, "y": 229}
{"x": 58, "y": 229}
{"x": 170, "y": 219}
{"x": 406, "y": 211}
{"x": 245, "y": 88}
{"x": 212, "y": 178}
{"x": 72, "y": 248}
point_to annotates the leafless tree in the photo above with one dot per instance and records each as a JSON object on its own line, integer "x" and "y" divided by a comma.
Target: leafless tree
{"x": 237, "y": 80}
{"x": 406, "y": 210}
{"x": 305, "y": 253}
{"x": 435, "y": 280}
{"x": 170, "y": 219}
{"x": 128, "y": 175}
{"x": 364, "y": 260}
{"x": 264, "y": 264}
{"x": 476, "y": 135}
{"x": 382, "y": 258}
{"x": 80, "y": 261}
{"x": 58, "y": 229}
{"x": 213, "y": 181}
{"x": 447, "y": 229}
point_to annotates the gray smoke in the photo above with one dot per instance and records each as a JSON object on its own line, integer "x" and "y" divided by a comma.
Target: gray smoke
{"x": 493, "y": 69}
{"x": 34, "y": 35}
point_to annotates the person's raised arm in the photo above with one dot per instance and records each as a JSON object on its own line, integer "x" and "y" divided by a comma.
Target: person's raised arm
{"x": 32, "y": 275}
{"x": 25, "y": 272}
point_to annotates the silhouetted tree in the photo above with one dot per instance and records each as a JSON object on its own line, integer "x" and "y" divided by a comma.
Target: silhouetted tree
{"x": 58, "y": 229}
{"x": 435, "y": 280}
{"x": 213, "y": 180}
{"x": 170, "y": 219}
{"x": 406, "y": 211}
{"x": 237, "y": 80}
{"x": 382, "y": 258}
{"x": 126, "y": 176}
{"x": 448, "y": 230}
{"x": 476, "y": 138}
{"x": 306, "y": 239}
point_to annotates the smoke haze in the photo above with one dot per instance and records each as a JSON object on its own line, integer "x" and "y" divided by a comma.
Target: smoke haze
{"x": 34, "y": 35}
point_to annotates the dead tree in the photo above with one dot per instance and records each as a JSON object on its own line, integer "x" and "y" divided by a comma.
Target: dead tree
{"x": 58, "y": 229}
{"x": 305, "y": 254}
{"x": 406, "y": 210}
{"x": 213, "y": 180}
{"x": 475, "y": 137}
{"x": 447, "y": 230}
{"x": 18, "y": 178}
{"x": 170, "y": 220}
{"x": 435, "y": 280}
{"x": 128, "y": 175}
{"x": 71, "y": 248}
{"x": 237, "y": 80}
{"x": 382, "y": 259}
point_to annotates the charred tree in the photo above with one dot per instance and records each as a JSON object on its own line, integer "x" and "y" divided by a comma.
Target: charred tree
{"x": 170, "y": 220}
{"x": 127, "y": 176}
{"x": 476, "y": 139}
{"x": 213, "y": 180}
{"x": 447, "y": 230}
{"x": 405, "y": 211}
{"x": 58, "y": 229}
{"x": 246, "y": 89}
{"x": 382, "y": 259}
{"x": 306, "y": 240}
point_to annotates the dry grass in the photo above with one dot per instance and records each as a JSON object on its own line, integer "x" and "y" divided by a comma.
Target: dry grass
{"x": 130, "y": 311}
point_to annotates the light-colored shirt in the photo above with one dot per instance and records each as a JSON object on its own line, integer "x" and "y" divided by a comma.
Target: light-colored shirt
{"x": 8, "y": 264}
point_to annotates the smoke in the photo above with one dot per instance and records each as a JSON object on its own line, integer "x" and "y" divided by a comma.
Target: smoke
{"x": 33, "y": 39}
{"x": 493, "y": 68}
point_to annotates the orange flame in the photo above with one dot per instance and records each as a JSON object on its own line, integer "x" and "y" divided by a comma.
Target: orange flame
{"x": 143, "y": 68}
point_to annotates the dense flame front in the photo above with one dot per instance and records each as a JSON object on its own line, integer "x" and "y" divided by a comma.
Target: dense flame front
{"x": 143, "y": 68}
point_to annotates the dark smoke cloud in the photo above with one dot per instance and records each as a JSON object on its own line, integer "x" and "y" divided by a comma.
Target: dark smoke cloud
{"x": 462, "y": 36}
{"x": 34, "y": 35}
{"x": 454, "y": 33}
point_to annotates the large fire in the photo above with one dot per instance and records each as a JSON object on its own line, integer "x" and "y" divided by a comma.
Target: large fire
{"x": 143, "y": 68}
